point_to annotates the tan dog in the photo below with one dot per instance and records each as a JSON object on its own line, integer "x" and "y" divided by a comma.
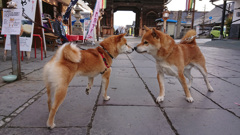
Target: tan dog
{"x": 174, "y": 59}
{"x": 70, "y": 61}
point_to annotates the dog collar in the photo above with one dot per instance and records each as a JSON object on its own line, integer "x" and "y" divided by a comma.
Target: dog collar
{"x": 107, "y": 52}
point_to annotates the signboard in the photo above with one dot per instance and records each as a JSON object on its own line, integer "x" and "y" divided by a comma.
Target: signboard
{"x": 94, "y": 21}
{"x": 210, "y": 17}
{"x": 86, "y": 26}
{"x": 11, "y": 21}
{"x": 26, "y": 35}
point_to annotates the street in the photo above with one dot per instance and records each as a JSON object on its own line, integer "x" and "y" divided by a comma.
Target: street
{"x": 133, "y": 89}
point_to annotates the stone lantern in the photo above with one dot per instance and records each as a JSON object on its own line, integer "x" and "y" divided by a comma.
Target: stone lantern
{"x": 77, "y": 28}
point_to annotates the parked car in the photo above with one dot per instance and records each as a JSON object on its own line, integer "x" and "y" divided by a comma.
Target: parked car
{"x": 215, "y": 32}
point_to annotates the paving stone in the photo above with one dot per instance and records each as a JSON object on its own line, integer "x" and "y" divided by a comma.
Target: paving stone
{"x": 203, "y": 121}
{"x": 130, "y": 120}
{"x": 127, "y": 91}
{"x": 122, "y": 57}
{"x": 120, "y": 63}
{"x": 175, "y": 96}
{"x": 79, "y": 81}
{"x": 136, "y": 56}
{"x": 75, "y": 111}
{"x": 124, "y": 72}
{"x": 147, "y": 72}
{"x": 36, "y": 75}
{"x": 16, "y": 94}
{"x": 225, "y": 94}
{"x": 235, "y": 81}
{"x": 144, "y": 63}
{"x": 43, "y": 131}
{"x": 221, "y": 72}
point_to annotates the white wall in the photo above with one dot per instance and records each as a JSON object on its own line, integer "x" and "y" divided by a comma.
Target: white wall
{"x": 236, "y": 5}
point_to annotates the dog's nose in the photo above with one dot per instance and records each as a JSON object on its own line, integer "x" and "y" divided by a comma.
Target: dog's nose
{"x": 132, "y": 49}
{"x": 135, "y": 48}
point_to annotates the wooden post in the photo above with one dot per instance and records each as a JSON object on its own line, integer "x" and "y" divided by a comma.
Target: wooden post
{"x": 223, "y": 18}
{"x": 70, "y": 24}
{"x": 15, "y": 50}
{"x": 97, "y": 30}
{"x": 194, "y": 2}
{"x": 178, "y": 24}
{"x": 141, "y": 22}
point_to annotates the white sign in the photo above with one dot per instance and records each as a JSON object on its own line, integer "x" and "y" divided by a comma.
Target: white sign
{"x": 26, "y": 35}
{"x": 86, "y": 27}
{"x": 11, "y": 21}
{"x": 94, "y": 20}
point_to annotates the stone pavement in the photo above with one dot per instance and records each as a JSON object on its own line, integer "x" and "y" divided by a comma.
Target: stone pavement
{"x": 133, "y": 89}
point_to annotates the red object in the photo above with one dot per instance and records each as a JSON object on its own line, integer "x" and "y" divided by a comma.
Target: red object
{"x": 72, "y": 38}
{"x": 104, "y": 60}
{"x": 37, "y": 35}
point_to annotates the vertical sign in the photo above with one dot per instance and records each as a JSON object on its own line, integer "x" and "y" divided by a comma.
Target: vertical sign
{"x": 94, "y": 20}
{"x": 26, "y": 34}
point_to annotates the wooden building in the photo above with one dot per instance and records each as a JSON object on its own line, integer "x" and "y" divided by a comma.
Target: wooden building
{"x": 146, "y": 12}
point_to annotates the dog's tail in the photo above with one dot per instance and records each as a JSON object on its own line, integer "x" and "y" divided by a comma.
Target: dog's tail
{"x": 189, "y": 38}
{"x": 69, "y": 52}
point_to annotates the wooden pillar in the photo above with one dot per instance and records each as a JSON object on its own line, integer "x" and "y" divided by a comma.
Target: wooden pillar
{"x": 178, "y": 24}
{"x": 141, "y": 22}
{"x": 70, "y": 24}
{"x": 111, "y": 31}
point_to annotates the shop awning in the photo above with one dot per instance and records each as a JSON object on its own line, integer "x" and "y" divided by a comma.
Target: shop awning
{"x": 169, "y": 20}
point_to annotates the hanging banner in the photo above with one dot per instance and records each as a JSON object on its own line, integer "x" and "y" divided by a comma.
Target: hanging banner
{"x": 94, "y": 20}
{"x": 11, "y": 23}
{"x": 68, "y": 11}
{"x": 26, "y": 34}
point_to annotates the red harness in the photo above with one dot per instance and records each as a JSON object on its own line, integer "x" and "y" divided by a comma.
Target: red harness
{"x": 105, "y": 61}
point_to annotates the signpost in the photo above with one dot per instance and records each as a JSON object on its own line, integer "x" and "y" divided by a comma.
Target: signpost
{"x": 12, "y": 26}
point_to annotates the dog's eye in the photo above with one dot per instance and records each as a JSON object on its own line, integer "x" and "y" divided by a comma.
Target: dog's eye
{"x": 145, "y": 42}
{"x": 126, "y": 44}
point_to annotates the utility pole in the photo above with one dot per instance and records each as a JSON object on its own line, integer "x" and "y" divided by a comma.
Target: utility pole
{"x": 179, "y": 18}
{"x": 223, "y": 18}
{"x": 194, "y": 2}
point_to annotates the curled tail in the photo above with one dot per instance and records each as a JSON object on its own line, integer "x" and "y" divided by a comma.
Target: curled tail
{"x": 189, "y": 38}
{"x": 69, "y": 52}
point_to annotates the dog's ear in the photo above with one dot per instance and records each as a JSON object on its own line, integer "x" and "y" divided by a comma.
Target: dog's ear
{"x": 146, "y": 28}
{"x": 119, "y": 37}
{"x": 154, "y": 34}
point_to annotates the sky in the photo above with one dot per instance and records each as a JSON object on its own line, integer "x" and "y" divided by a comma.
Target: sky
{"x": 176, "y": 5}
{"x": 123, "y": 18}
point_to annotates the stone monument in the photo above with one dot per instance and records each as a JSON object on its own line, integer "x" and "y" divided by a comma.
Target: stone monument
{"x": 77, "y": 27}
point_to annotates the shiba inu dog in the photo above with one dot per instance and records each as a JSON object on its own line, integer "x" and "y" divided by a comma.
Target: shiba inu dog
{"x": 69, "y": 61}
{"x": 174, "y": 59}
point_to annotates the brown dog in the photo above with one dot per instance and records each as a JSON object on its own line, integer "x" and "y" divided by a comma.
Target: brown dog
{"x": 174, "y": 59}
{"x": 70, "y": 61}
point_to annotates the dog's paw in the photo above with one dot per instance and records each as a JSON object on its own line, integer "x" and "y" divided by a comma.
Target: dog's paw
{"x": 51, "y": 126}
{"x": 210, "y": 89}
{"x": 189, "y": 99}
{"x": 160, "y": 99}
{"x": 87, "y": 91}
{"x": 106, "y": 98}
